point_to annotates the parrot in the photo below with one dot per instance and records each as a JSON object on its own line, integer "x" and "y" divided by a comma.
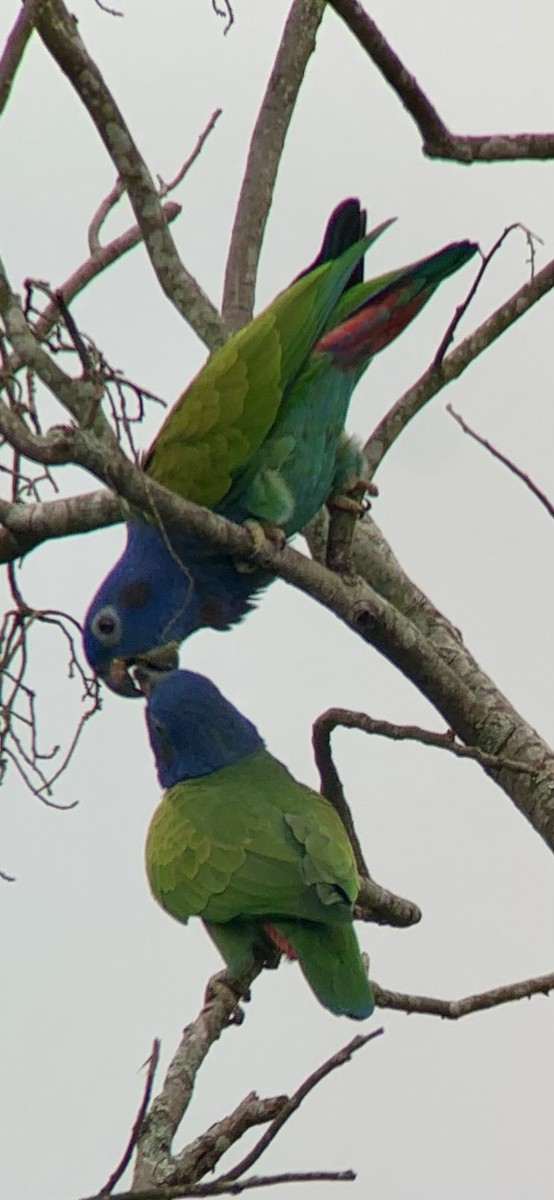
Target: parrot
{"x": 258, "y": 436}
{"x": 263, "y": 860}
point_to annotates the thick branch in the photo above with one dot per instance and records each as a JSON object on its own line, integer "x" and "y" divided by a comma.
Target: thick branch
{"x": 439, "y": 375}
{"x": 28, "y": 525}
{"x": 484, "y": 720}
{"x": 452, "y": 1010}
{"x": 154, "y": 1163}
{"x": 438, "y": 141}
{"x": 264, "y": 156}
{"x": 14, "y": 49}
{"x": 58, "y": 30}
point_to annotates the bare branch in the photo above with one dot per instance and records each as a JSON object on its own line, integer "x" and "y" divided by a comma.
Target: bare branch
{"x": 487, "y": 722}
{"x": 201, "y": 1156}
{"x": 77, "y": 396}
{"x": 181, "y": 1192}
{"x": 137, "y": 1125}
{"x": 165, "y": 188}
{"x": 226, "y": 12}
{"x": 438, "y": 376}
{"x": 344, "y": 717}
{"x": 540, "y": 495}
{"x": 59, "y": 33}
{"x": 167, "y": 1111}
{"x": 101, "y": 258}
{"x": 19, "y": 736}
{"x": 452, "y": 1010}
{"x": 462, "y": 308}
{"x": 337, "y": 1060}
{"x": 264, "y": 156}
{"x": 438, "y": 141}
{"x": 26, "y": 526}
{"x": 16, "y": 44}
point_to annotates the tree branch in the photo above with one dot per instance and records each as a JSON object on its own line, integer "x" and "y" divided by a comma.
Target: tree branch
{"x": 264, "y": 156}
{"x": 507, "y": 462}
{"x": 337, "y": 1060}
{"x": 26, "y": 526}
{"x": 100, "y": 258}
{"x": 14, "y": 49}
{"x": 438, "y": 375}
{"x": 59, "y": 33}
{"x": 154, "y": 1163}
{"x": 181, "y": 1192}
{"x": 333, "y": 717}
{"x": 485, "y": 720}
{"x": 137, "y": 1125}
{"x": 438, "y": 141}
{"x": 452, "y": 1010}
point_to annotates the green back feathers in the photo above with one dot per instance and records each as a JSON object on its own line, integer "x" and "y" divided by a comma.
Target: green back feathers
{"x": 249, "y": 841}
{"x": 227, "y": 411}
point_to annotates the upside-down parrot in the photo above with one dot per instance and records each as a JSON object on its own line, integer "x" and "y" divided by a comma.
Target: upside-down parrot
{"x": 263, "y": 860}
{"x": 258, "y": 435}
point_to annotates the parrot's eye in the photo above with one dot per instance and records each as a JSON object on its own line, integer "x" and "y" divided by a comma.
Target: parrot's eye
{"x": 106, "y": 626}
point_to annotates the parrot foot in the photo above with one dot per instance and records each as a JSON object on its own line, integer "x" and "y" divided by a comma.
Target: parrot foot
{"x": 220, "y": 986}
{"x": 354, "y": 498}
{"x": 264, "y": 534}
{"x": 345, "y": 508}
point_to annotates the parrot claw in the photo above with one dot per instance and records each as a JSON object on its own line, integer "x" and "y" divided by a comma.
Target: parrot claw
{"x": 264, "y": 534}
{"x": 345, "y": 507}
{"x": 354, "y": 498}
{"x": 221, "y": 985}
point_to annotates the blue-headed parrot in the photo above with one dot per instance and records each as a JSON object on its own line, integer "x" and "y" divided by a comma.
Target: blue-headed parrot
{"x": 263, "y": 860}
{"x": 258, "y": 436}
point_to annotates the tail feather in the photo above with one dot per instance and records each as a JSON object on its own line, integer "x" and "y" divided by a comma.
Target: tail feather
{"x": 346, "y": 225}
{"x": 331, "y": 962}
{"x": 381, "y": 315}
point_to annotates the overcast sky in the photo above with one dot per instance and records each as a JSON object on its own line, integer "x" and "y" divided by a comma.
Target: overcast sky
{"x": 92, "y": 970}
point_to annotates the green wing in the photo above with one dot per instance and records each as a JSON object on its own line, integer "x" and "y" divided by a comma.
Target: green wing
{"x": 250, "y": 841}
{"x": 227, "y": 411}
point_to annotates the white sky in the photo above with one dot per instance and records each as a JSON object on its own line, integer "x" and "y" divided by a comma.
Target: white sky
{"x": 92, "y": 969}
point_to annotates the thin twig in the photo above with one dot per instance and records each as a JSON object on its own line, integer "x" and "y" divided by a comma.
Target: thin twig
{"x": 337, "y": 1060}
{"x": 435, "y": 378}
{"x": 227, "y": 13}
{"x": 152, "y": 1063}
{"x": 507, "y": 462}
{"x": 165, "y": 188}
{"x": 463, "y": 307}
{"x": 100, "y": 216}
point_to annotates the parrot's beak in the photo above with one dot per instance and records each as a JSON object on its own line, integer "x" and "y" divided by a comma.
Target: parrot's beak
{"x": 118, "y": 679}
{"x": 149, "y": 670}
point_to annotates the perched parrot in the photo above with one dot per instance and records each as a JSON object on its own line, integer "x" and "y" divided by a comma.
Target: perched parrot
{"x": 264, "y": 861}
{"x": 258, "y": 435}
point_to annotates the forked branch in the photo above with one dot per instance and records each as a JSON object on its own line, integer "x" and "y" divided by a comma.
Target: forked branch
{"x": 438, "y": 141}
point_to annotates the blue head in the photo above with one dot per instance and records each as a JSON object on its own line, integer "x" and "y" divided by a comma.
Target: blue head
{"x": 156, "y": 596}
{"x": 193, "y": 729}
